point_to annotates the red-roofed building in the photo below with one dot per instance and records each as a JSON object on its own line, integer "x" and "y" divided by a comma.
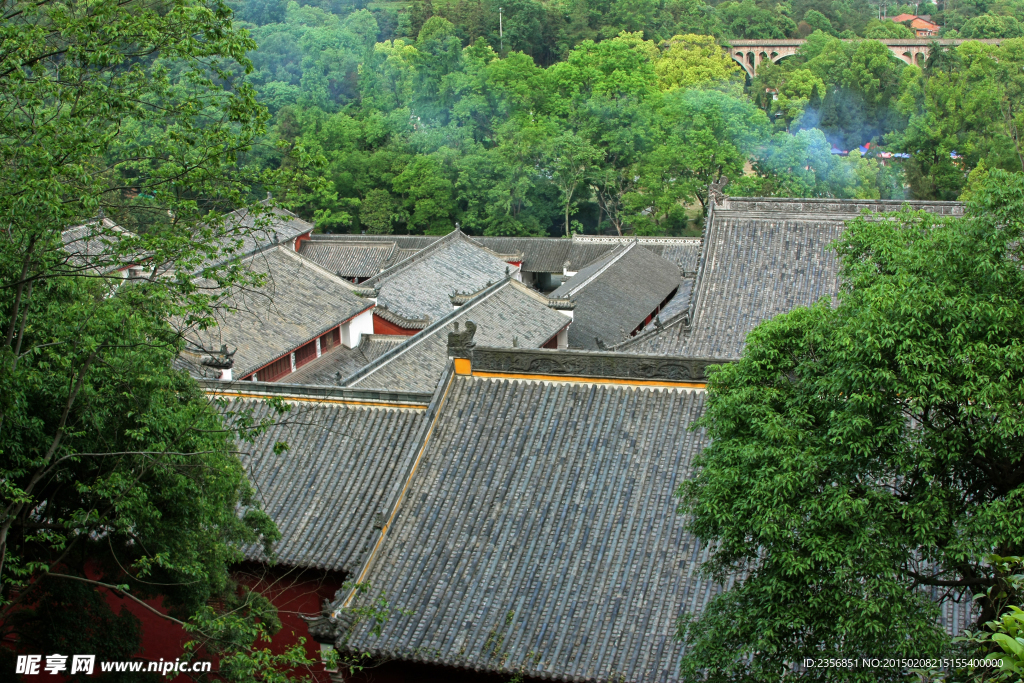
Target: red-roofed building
{"x": 922, "y": 26}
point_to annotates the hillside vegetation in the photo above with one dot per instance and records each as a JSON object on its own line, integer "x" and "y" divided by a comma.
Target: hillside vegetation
{"x": 613, "y": 116}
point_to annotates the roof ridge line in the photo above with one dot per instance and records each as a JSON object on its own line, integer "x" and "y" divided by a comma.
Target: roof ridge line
{"x": 547, "y": 364}
{"x": 310, "y": 262}
{"x": 420, "y": 336}
{"x": 306, "y": 390}
{"x": 416, "y": 258}
{"x": 666, "y": 239}
{"x": 687, "y": 315}
{"x": 472, "y": 240}
{"x": 464, "y": 299}
{"x": 706, "y": 245}
{"x": 367, "y": 243}
{"x": 612, "y": 259}
{"x": 437, "y": 400}
{"x": 398, "y": 319}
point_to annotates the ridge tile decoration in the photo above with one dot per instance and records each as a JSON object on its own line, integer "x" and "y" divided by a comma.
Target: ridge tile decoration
{"x": 382, "y": 312}
{"x": 506, "y": 313}
{"x": 582, "y": 364}
{"x": 844, "y": 206}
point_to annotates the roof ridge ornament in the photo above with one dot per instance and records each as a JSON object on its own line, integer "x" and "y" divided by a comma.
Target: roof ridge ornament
{"x": 599, "y": 364}
{"x": 221, "y": 360}
{"x": 460, "y": 343}
{"x": 715, "y": 192}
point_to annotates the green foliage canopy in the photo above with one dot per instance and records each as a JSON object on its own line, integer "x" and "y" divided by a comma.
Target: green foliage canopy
{"x": 866, "y": 457}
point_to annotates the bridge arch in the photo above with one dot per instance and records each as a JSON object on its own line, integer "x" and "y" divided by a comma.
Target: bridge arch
{"x": 750, "y": 53}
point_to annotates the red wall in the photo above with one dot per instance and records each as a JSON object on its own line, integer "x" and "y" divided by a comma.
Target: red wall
{"x": 294, "y": 592}
{"x": 382, "y": 326}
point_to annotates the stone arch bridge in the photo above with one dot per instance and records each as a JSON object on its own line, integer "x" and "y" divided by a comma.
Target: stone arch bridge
{"x": 750, "y": 53}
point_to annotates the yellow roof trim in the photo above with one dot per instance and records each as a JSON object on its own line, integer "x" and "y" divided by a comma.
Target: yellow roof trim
{"x": 592, "y": 380}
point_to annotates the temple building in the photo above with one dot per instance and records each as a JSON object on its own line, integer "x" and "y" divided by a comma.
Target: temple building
{"x": 266, "y": 333}
{"x": 507, "y": 314}
{"x": 416, "y": 290}
{"x": 761, "y": 257}
{"x": 617, "y": 295}
{"x": 543, "y": 261}
{"x": 511, "y": 498}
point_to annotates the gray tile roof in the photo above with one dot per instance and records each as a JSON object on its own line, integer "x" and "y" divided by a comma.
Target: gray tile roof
{"x": 383, "y": 313}
{"x": 762, "y": 257}
{"x": 341, "y": 467}
{"x": 421, "y": 285}
{"x": 616, "y": 294}
{"x": 540, "y": 254}
{"x": 249, "y": 232}
{"x": 299, "y": 302}
{"x": 540, "y": 531}
{"x": 340, "y": 362}
{"x": 351, "y": 259}
{"x": 374, "y": 346}
{"x": 92, "y": 245}
{"x": 679, "y": 302}
{"x": 414, "y": 242}
{"x": 505, "y": 311}
{"x": 682, "y": 252}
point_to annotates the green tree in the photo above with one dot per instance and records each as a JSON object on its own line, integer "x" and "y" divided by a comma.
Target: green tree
{"x": 425, "y": 196}
{"x": 692, "y": 17}
{"x": 867, "y": 453}
{"x": 689, "y": 60}
{"x": 568, "y": 158}
{"x": 375, "y": 212}
{"x": 970, "y": 113}
{"x": 795, "y": 91}
{"x": 992, "y": 26}
{"x": 111, "y": 461}
{"x": 746, "y": 19}
{"x": 888, "y": 30}
{"x": 819, "y": 22}
{"x": 708, "y": 134}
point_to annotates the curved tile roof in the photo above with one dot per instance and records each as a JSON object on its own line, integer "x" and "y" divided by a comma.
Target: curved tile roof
{"x": 341, "y": 361}
{"x": 299, "y": 302}
{"x": 350, "y": 259}
{"x": 614, "y": 295}
{"x": 505, "y": 312}
{"x": 340, "y": 468}
{"x": 421, "y": 285}
{"x": 539, "y": 254}
{"x": 762, "y": 257}
{"x": 540, "y": 533}
{"x": 247, "y": 232}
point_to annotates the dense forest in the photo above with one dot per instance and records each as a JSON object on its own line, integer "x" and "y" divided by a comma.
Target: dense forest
{"x": 614, "y": 115}
{"x": 119, "y": 475}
